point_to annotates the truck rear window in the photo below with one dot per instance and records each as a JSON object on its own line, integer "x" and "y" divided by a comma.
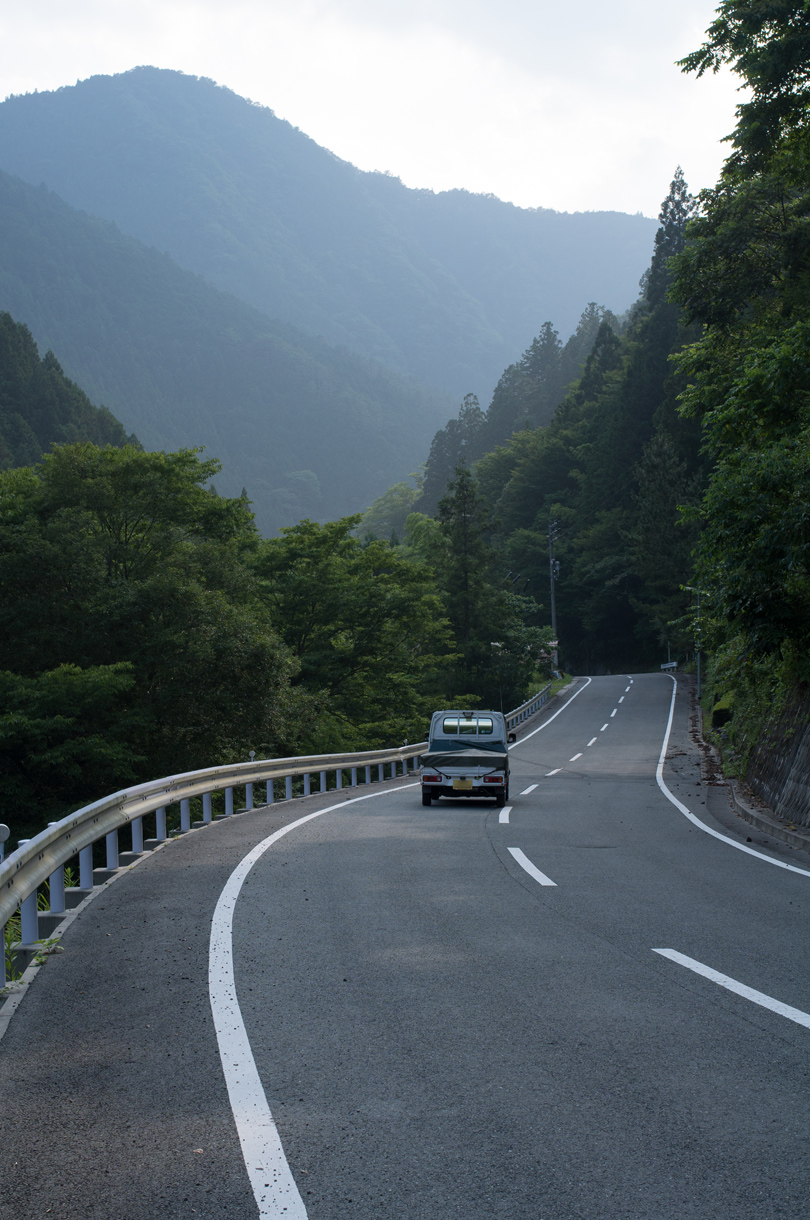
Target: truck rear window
{"x": 454, "y": 726}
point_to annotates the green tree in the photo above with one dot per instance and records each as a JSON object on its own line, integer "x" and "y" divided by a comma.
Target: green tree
{"x": 365, "y": 625}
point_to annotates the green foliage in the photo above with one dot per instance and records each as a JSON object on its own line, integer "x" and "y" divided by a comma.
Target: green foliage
{"x": 745, "y": 275}
{"x": 39, "y": 406}
{"x": 386, "y": 517}
{"x": 131, "y": 635}
{"x": 365, "y": 625}
{"x": 525, "y": 397}
{"x": 500, "y": 647}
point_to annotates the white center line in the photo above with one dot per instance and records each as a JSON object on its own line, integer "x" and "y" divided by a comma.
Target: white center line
{"x": 613, "y": 713}
{"x": 626, "y": 689}
{"x": 621, "y": 700}
{"x": 748, "y": 993}
{"x": 604, "y": 726}
{"x": 503, "y": 816}
{"x": 526, "y": 863}
{"x": 556, "y": 771}
{"x": 526, "y": 791}
{"x": 576, "y": 756}
{"x": 590, "y": 743}
{"x": 631, "y": 683}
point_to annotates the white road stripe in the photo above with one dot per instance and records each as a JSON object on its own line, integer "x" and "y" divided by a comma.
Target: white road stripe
{"x": 590, "y": 743}
{"x": 526, "y": 863}
{"x": 503, "y": 816}
{"x": 556, "y": 771}
{"x": 604, "y": 726}
{"x": 626, "y": 689}
{"x": 576, "y": 756}
{"x": 659, "y": 776}
{"x": 271, "y": 1180}
{"x": 554, "y": 717}
{"x": 613, "y": 713}
{"x": 748, "y": 993}
{"x": 526, "y": 791}
{"x": 621, "y": 699}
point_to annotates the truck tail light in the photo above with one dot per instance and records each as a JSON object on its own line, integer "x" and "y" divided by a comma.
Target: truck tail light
{"x": 493, "y": 779}
{"x": 431, "y": 779}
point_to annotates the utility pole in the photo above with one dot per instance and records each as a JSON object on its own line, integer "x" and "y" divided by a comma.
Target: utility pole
{"x": 553, "y": 572}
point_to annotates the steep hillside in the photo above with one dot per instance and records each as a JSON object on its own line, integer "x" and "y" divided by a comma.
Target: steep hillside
{"x": 39, "y": 406}
{"x": 444, "y": 287}
{"x": 308, "y": 429}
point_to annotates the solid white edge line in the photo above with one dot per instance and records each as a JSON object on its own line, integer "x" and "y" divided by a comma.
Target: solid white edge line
{"x": 554, "y": 717}
{"x": 503, "y": 816}
{"x": 576, "y": 756}
{"x": 659, "y": 776}
{"x": 590, "y": 743}
{"x": 526, "y": 864}
{"x": 526, "y": 791}
{"x": 748, "y": 993}
{"x": 271, "y": 1179}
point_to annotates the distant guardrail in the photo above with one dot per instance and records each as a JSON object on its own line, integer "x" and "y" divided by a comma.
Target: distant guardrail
{"x": 44, "y": 857}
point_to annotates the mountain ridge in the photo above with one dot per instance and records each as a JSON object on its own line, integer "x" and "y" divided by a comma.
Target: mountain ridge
{"x": 447, "y": 287}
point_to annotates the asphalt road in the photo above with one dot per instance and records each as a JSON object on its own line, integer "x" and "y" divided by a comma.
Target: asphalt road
{"x": 439, "y": 1030}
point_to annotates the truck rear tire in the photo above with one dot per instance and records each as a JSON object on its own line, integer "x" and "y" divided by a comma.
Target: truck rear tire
{"x": 426, "y": 797}
{"x": 500, "y": 800}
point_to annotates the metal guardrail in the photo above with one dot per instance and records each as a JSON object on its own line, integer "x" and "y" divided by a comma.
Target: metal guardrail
{"x": 44, "y": 857}
{"x": 528, "y": 708}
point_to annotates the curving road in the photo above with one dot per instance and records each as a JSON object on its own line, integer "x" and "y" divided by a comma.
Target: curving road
{"x": 453, "y": 1012}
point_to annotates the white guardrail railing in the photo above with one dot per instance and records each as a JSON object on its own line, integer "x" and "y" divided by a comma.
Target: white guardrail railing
{"x": 44, "y": 857}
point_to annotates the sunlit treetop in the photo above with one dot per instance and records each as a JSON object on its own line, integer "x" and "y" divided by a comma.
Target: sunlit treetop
{"x": 767, "y": 43}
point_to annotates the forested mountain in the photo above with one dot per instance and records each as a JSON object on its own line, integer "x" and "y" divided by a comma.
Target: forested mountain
{"x": 610, "y": 467}
{"x": 445, "y": 287}
{"x": 309, "y": 429}
{"x": 40, "y": 407}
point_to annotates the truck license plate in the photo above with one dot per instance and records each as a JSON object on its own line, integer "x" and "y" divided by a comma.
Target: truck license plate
{"x": 464, "y": 784}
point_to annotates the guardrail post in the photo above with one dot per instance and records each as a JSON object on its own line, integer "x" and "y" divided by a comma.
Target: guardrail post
{"x": 112, "y": 849}
{"x": 248, "y": 796}
{"x": 29, "y": 932}
{"x": 323, "y": 781}
{"x": 56, "y": 887}
{"x": 160, "y": 823}
{"x": 207, "y": 808}
{"x": 228, "y": 802}
{"x": 354, "y": 777}
{"x": 368, "y": 775}
{"x": 137, "y": 835}
{"x": 380, "y": 771}
{"x": 86, "y": 868}
{"x": 288, "y": 787}
{"x": 307, "y": 784}
{"x": 185, "y": 815}
{"x": 339, "y": 778}
{"x": 270, "y": 792}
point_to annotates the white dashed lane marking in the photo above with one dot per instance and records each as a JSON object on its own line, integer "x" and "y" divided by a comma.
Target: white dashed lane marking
{"x": 576, "y": 756}
{"x": 556, "y": 771}
{"x": 604, "y": 726}
{"x": 613, "y": 713}
{"x": 748, "y": 993}
{"x": 593, "y": 739}
{"x": 526, "y": 791}
{"x": 526, "y": 864}
{"x": 503, "y": 816}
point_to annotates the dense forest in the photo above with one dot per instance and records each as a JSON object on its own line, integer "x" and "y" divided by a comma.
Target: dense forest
{"x": 40, "y": 407}
{"x": 443, "y": 287}
{"x": 311, "y": 430}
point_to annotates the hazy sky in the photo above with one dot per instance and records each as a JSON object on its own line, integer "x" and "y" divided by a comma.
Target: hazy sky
{"x": 575, "y": 106}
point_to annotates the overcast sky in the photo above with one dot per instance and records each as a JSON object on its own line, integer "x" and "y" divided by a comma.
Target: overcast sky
{"x": 574, "y": 106}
